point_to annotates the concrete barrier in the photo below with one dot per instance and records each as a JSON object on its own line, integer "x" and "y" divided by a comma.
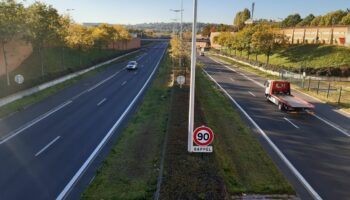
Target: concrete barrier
{"x": 33, "y": 90}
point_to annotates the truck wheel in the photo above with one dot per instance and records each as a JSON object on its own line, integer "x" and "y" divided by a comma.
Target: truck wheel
{"x": 281, "y": 107}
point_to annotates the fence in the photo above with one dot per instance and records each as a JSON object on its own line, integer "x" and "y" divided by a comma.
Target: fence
{"x": 329, "y": 90}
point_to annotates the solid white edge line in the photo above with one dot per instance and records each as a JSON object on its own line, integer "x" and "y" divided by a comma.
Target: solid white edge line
{"x": 285, "y": 118}
{"x": 307, "y": 186}
{"x": 251, "y": 94}
{"x": 86, "y": 164}
{"x": 331, "y": 124}
{"x": 101, "y": 102}
{"x": 47, "y": 146}
{"x": 33, "y": 122}
{"x": 318, "y": 117}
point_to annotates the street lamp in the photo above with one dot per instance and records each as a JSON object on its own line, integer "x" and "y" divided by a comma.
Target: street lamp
{"x": 193, "y": 78}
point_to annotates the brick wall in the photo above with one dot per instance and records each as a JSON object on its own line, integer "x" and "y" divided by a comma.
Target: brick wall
{"x": 16, "y": 53}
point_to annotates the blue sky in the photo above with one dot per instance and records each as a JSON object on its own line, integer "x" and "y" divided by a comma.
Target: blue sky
{"x": 213, "y": 11}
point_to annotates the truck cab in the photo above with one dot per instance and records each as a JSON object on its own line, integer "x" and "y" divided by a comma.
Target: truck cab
{"x": 279, "y": 93}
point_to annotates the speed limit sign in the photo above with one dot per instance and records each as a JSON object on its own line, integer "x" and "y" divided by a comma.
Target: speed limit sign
{"x": 203, "y": 136}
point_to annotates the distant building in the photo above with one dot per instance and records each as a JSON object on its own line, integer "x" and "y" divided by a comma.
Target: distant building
{"x": 337, "y": 35}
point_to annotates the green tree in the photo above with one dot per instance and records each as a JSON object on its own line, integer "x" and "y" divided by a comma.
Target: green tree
{"x": 317, "y": 21}
{"x": 247, "y": 34}
{"x": 345, "y": 20}
{"x": 333, "y": 18}
{"x": 103, "y": 35}
{"x": 306, "y": 21}
{"x": 65, "y": 22}
{"x": 240, "y": 18}
{"x": 80, "y": 37}
{"x": 43, "y": 23}
{"x": 266, "y": 40}
{"x": 291, "y": 20}
{"x": 11, "y": 16}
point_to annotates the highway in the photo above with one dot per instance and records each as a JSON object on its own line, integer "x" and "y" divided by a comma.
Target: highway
{"x": 52, "y": 149}
{"x": 313, "y": 151}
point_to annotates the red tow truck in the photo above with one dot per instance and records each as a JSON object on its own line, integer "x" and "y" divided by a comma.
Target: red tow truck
{"x": 279, "y": 93}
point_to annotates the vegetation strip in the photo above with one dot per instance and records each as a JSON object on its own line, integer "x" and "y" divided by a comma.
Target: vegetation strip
{"x": 130, "y": 170}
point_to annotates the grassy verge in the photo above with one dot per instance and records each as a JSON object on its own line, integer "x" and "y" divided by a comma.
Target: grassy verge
{"x": 310, "y": 55}
{"x": 243, "y": 164}
{"x": 57, "y": 62}
{"x": 322, "y": 94}
{"x": 26, "y": 101}
{"x": 130, "y": 170}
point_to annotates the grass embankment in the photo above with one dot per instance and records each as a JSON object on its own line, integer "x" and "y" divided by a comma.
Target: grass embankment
{"x": 26, "y": 101}
{"x": 57, "y": 62}
{"x": 333, "y": 96}
{"x": 309, "y": 55}
{"x": 238, "y": 165}
{"x": 131, "y": 169}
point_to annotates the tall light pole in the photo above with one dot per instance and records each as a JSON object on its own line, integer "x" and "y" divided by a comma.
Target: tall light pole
{"x": 193, "y": 78}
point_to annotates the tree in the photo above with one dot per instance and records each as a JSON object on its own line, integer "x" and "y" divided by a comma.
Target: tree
{"x": 240, "y": 18}
{"x": 80, "y": 38}
{"x": 333, "y": 18}
{"x": 65, "y": 22}
{"x": 123, "y": 34}
{"x": 291, "y": 20}
{"x": 103, "y": 35}
{"x": 43, "y": 23}
{"x": 247, "y": 34}
{"x": 11, "y": 16}
{"x": 266, "y": 40}
{"x": 306, "y": 21}
{"x": 317, "y": 21}
{"x": 346, "y": 20}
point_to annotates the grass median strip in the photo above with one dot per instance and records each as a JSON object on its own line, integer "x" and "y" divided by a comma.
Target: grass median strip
{"x": 130, "y": 171}
{"x": 29, "y": 100}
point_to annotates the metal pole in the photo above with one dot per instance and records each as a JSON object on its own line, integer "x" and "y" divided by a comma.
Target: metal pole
{"x": 180, "y": 61}
{"x": 193, "y": 78}
{"x": 341, "y": 88}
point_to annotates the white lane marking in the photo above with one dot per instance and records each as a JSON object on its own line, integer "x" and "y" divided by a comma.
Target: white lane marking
{"x": 124, "y": 83}
{"x": 342, "y": 130}
{"x": 233, "y": 79}
{"x": 33, "y": 122}
{"x": 88, "y": 161}
{"x": 140, "y": 57}
{"x": 291, "y": 122}
{"x": 307, "y": 186}
{"x": 47, "y": 146}
{"x": 92, "y": 179}
{"x": 101, "y": 102}
{"x": 332, "y": 125}
{"x": 251, "y": 94}
{"x": 105, "y": 80}
{"x": 245, "y": 76}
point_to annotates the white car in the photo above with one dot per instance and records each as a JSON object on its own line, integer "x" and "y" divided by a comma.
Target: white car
{"x": 132, "y": 65}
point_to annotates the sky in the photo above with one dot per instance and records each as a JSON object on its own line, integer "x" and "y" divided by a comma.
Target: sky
{"x": 210, "y": 11}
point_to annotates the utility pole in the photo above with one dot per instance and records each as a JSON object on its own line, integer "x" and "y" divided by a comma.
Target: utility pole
{"x": 180, "y": 60}
{"x": 193, "y": 78}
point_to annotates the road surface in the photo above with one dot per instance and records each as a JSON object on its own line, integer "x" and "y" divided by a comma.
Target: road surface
{"x": 52, "y": 149}
{"x": 313, "y": 151}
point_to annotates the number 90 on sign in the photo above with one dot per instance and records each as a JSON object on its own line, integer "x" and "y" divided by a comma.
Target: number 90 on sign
{"x": 203, "y": 136}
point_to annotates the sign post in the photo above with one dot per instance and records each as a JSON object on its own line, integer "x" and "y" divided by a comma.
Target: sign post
{"x": 203, "y": 136}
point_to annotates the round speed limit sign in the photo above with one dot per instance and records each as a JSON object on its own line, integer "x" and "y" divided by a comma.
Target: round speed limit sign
{"x": 203, "y": 136}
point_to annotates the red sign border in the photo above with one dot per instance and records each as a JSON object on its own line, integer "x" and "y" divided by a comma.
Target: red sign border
{"x": 211, "y": 134}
